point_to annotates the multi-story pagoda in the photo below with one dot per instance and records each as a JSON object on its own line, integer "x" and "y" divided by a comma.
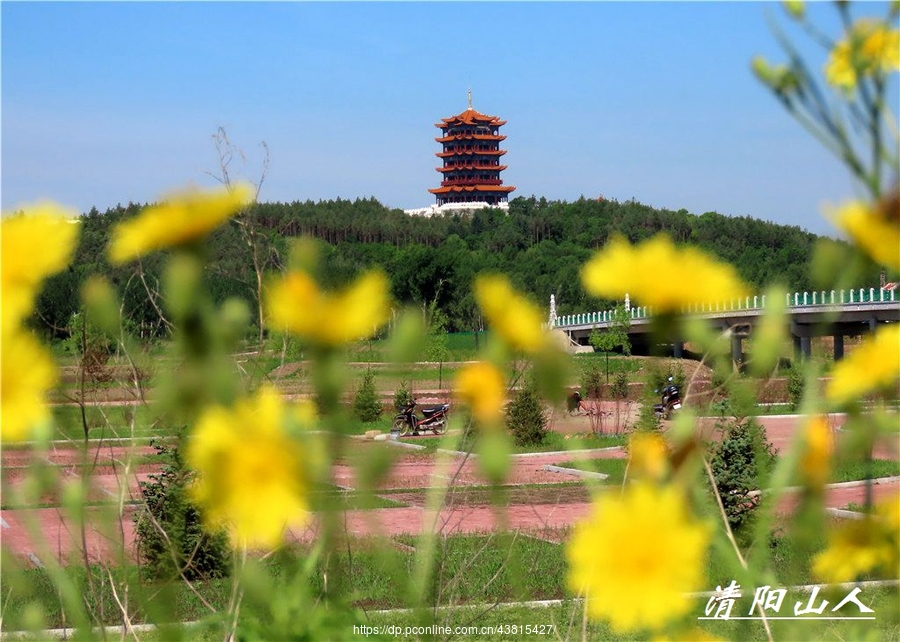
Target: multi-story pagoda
{"x": 471, "y": 155}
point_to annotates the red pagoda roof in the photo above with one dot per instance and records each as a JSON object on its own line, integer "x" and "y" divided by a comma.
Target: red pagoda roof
{"x": 465, "y": 152}
{"x": 472, "y": 166}
{"x": 447, "y": 139}
{"x": 473, "y": 188}
{"x": 470, "y": 117}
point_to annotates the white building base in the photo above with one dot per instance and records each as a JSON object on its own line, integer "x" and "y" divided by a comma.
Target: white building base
{"x": 454, "y": 208}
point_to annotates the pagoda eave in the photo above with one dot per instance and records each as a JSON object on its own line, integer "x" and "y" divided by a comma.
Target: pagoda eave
{"x": 473, "y": 188}
{"x": 491, "y": 168}
{"x": 469, "y": 117}
{"x": 447, "y": 139}
{"x": 470, "y": 152}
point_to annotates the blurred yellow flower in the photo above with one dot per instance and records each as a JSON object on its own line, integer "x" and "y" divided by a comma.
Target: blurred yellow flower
{"x": 818, "y": 449}
{"x": 856, "y": 547}
{"x": 876, "y": 230}
{"x": 659, "y": 275}
{"x": 637, "y": 555}
{"x": 481, "y": 387}
{"x": 648, "y": 456}
{"x": 35, "y": 245}
{"x": 182, "y": 218}
{"x": 516, "y": 319}
{"x": 27, "y": 373}
{"x": 873, "y": 365}
{"x": 296, "y": 304}
{"x": 870, "y": 47}
{"x": 251, "y": 476}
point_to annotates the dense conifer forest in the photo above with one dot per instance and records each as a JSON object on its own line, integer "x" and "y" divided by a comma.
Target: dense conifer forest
{"x": 540, "y": 244}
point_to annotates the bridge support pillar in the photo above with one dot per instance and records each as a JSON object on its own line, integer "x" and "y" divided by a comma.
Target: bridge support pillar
{"x": 838, "y": 346}
{"x": 798, "y": 354}
{"x": 806, "y": 347}
{"x": 737, "y": 352}
{"x": 678, "y": 349}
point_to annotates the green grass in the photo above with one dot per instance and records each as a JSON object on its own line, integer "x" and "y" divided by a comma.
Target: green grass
{"x": 470, "y": 569}
{"x": 856, "y": 470}
{"x": 553, "y": 442}
{"x": 109, "y": 422}
{"x": 614, "y": 468}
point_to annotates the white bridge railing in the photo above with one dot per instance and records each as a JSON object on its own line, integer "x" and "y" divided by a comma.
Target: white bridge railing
{"x": 796, "y": 300}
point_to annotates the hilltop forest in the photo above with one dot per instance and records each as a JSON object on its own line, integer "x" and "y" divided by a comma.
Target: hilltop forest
{"x": 431, "y": 262}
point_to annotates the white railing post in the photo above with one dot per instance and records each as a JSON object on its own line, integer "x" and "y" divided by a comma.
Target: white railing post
{"x": 796, "y": 298}
{"x": 851, "y": 296}
{"x": 755, "y": 297}
{"x": 814, "y": 297}
{"x": 832, "y": 297}
{"x": 763, "y": 300}
{"x": 871, "y": 295}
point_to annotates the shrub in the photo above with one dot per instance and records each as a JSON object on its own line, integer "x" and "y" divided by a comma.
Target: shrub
{"x": 740, "y": 464}
{"x": 526, "y": 417}
{"x": 620, "y": 386}
{"x": 795, "y": 386}
{"x": 592, "y": 381}
{"x": 403, "y": 396}
{"x": 366, "y": 405}
{"x": 181, "y": 547}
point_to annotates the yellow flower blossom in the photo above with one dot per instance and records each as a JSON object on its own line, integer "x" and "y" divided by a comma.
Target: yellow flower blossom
{"x": 648, "y": 456}
{"x": 481, "y": 387}
{"x": 659, "y": 275}
{"x": 27, "y": 373}
{"x": 876, "y": 230}
{"x": 35, "y": 245}
{"x": 818, "y": 449}
{"x": 636, "y": 556}
{"x": 296, "y": 304}
{"x": 516, "y": 320}
{"x": 870, "y": 47}
{"x": 858, "y": 546}
{"x": 251, "y": 476}
{"x": 182, "y": 218}
{"x": 873, "y": 365}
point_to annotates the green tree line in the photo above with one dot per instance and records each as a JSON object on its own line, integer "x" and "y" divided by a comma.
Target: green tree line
{"x": 432, "y": 262}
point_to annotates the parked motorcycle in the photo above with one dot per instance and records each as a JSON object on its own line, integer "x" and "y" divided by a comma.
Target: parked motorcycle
{"x": 433, "y": 418}
{"x": 669, "y": 402}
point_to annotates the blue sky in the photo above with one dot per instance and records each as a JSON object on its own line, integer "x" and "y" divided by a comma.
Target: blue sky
{"x": 106, "y": 103}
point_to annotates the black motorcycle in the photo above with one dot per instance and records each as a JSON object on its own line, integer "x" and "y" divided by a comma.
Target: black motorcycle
{"x": 433, "y": 418}
{"x": 669, "y": 402}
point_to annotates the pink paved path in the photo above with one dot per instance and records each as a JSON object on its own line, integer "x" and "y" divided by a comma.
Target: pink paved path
{"x": 58, "y": 537}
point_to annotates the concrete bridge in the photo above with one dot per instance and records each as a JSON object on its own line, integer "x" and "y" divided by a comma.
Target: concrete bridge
{"x": 810, "y": 314}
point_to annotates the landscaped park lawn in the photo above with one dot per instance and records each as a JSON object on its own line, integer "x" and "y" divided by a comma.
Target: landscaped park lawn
{"x": 482, "y": 579}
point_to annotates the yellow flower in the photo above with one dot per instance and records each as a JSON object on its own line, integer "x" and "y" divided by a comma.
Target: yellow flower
{"x": 818, "y": 448}
{"x": 648, "y": 456}
{"x": 251, "y": 476}
{"x": 27, "y": 372}
{"x": 636, "y": 557}
{"x": 874, "y": 364}
{"x": 296, "y": 304}
{"x": 35, "y": 245}
{"x": 660, "y": 275}
{"x": 182, "y": 218}
{"x": 876, "y": 230}
{"x": 481, "y": 386}
{"x": 870, "y": 47}
{"x": 516, "y": 320}
{"x": 856, "y": 547}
